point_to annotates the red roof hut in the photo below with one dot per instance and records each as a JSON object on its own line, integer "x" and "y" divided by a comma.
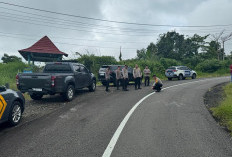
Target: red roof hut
{"x": 43, "y": 50}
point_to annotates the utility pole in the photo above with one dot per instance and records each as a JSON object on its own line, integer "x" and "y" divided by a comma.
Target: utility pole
{"x": 224, "y": 39}
{"x": 216, "y": 38}
{"x": 120, "y": 55}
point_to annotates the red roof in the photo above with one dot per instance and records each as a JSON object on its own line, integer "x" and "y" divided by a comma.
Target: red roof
{"x": 44, "y": 45}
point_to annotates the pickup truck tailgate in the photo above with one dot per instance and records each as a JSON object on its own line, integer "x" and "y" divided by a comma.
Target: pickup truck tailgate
{"x": 28, "y": 81}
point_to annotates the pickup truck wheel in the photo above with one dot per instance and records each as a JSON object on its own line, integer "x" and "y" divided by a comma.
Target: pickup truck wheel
{"x": 194, "y": 76}
{"x": 180, "y": 77}
{"x": 15, "y": 113}
{"x": 169, "y": 78}
{"x": 36, "y": 96}
{"x": 92, "y": 87}
{"x": 69, "y": 94}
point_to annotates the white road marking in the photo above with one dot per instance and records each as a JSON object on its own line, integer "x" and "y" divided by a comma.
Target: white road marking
{"x": 109, "y": 149}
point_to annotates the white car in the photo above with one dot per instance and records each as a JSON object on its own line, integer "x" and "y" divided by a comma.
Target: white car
{"x": 180, "y": 72}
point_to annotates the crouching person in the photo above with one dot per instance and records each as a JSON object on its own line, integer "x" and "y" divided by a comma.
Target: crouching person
{"x": 157, "y": 84}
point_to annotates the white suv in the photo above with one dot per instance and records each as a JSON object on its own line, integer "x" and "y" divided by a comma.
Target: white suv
{"x": 180, "y": 72}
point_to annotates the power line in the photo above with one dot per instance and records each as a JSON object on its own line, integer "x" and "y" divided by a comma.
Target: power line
{"x": 72, "y": 43}
{"x": 82, "y": 39}
{"x": 111, "y": 21}
{"x": 89, "y": 24}
{"x": 22, "y": 20}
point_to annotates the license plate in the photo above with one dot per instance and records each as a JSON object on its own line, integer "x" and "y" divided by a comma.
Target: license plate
{"x": 37, "y": 89}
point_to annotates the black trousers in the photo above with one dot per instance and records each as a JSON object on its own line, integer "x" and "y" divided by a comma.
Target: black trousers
{"x": 157, "y": 87}
{"x": 125, "y": 82}
{"x": 147, "y": 80}
{"x": 137, "y": 82}
{"x": 118, "y": 81}
{"x": 107, "y": 84}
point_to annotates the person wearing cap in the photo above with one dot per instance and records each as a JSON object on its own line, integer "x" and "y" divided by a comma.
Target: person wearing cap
{"x": 147, "y": 73}
{"x": 157, "y": 84}
{"x": 118, "y": 76}
{"x": 137, "y": 76}
{"x": 107, "y": 77}
{"x": 125, "y": 77}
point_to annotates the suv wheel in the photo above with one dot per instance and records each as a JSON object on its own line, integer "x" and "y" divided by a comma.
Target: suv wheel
{"x": 35, "y": 96}
{"x": 15, "y": 113}
{"x": 194, "y": 76}
{"x": 69, "y": 93}
{"x": 169, "y": 78}
{"x": 180, "y": 77}
{"x": 92, "y": 87}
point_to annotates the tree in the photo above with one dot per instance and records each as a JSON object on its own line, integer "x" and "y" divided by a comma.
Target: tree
{"x": 6, "y": 58}
{"x": 171, "y": 45}
{"x": 224, "y": 39}
{"x": 216, "y": 38}
{"x": 141, "y": 54}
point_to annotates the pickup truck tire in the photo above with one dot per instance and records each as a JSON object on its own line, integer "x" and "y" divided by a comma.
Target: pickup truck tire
{"x": 15, "y": 113}
{"x": 169, "y": 78}
{"x": 35, "y": 96}
{"x": 69, "y": 93}
{"x": 92, "y": 87}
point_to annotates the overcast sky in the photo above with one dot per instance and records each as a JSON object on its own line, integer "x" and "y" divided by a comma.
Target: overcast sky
{"x": 21, "y": 27}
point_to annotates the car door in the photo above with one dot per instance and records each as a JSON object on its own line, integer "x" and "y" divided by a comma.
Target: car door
{"x": 85, "y": 76}
{"x": 78, "y": 76}
{"x": 187, "y": 72}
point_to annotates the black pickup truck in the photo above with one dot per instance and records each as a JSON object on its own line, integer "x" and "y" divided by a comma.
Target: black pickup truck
{"x": 57, "y": 77}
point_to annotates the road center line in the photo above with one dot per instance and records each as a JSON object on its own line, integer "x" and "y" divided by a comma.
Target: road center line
{"x": 114, "y": 139}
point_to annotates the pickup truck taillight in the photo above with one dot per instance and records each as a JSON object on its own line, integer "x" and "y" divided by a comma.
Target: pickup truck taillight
{"x": 17, "y": 79}
{"x": 174, "y": 70}
{"x": 53, "y": 80}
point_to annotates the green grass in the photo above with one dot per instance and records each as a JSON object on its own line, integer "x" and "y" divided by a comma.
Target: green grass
{"x": 8, "y": 73}
{"x": 224, "y": 111}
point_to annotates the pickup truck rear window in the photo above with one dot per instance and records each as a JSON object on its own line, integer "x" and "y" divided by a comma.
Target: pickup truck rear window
{"x": 57, "y": 68}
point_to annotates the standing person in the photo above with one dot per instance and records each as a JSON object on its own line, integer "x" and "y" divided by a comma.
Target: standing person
{"x": 157, "y": 84}
{"x": 107, "y": 77}
{"x": 231, "y": 71}
{"x": 118, "y": 77}
{"x": 147, "y": 73}
{"x": 137, "y": 76}
{"x": 125, "y": 77}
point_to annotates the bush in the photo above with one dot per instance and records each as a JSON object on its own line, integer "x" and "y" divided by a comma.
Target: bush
{"x": 209, "y": 66}
{"x": 166, "y": 62}
{"x": 9, "y": 71}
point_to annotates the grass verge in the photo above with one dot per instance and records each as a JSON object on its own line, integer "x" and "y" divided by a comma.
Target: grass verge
{"x": 224, "y": 111}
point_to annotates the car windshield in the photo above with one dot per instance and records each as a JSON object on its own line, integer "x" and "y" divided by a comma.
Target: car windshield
{"x": 58, "y": 68}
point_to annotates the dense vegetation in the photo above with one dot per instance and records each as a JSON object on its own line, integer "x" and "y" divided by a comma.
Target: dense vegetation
{"x": 172, "y": 48}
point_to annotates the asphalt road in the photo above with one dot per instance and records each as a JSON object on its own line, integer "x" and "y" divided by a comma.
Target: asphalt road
{"x": 172, "y": 123}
